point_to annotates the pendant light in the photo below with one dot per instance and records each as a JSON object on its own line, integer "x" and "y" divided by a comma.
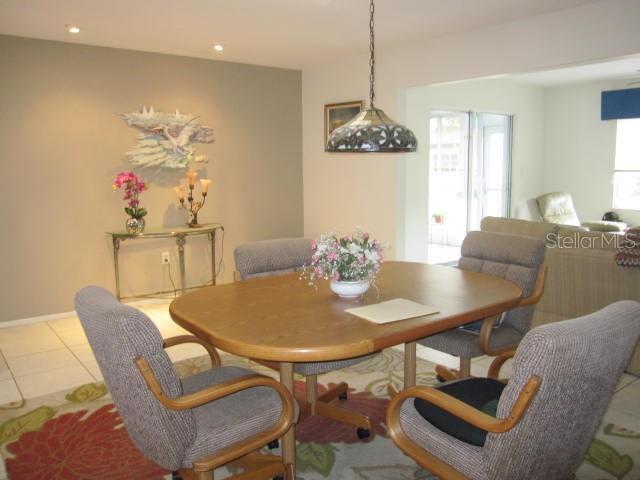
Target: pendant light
{"x": 371, "y": 131}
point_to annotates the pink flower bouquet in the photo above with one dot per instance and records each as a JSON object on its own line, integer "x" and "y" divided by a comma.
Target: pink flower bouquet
{"x": 349, "y": 258}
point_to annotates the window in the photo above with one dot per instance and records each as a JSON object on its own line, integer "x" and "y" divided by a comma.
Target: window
{"x": 626, "y": 176}
{"x": 445, "y": 143}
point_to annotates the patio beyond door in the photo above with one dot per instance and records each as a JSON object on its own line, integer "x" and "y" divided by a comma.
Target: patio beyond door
{"x": 469, "y": 176}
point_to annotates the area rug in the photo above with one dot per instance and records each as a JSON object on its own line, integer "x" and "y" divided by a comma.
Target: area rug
{"x": 78, "y": 434}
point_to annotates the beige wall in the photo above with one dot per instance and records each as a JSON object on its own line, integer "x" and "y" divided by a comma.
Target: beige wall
{"x": 61, "y": 143}
{"x": 580, "y": 148}
{"x": 345, "y": 190}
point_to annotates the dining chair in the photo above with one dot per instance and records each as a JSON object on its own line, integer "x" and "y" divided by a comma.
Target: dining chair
{"x": 267, "y": 258}
{"x": 512, "y": 257}
{"x": 193, "y": 425}
{"x": 540, "y": 423}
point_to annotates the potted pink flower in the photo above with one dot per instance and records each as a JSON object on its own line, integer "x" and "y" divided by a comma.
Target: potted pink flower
{"x": 133, "y": 187}
{"x": 349, "y": 262}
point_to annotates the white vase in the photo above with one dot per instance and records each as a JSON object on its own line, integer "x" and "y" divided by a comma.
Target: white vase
{"x": 349, "y": 289}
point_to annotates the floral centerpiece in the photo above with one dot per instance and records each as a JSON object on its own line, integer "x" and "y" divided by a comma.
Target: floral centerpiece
{"x": 133, "y": 187}
{"x": 350, "y": 262}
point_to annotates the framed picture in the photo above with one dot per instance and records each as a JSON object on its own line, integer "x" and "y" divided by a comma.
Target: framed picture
{"x": 337, "y": 114}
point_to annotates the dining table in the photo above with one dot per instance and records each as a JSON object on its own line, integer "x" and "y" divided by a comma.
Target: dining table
{"x": 286, "y": 320}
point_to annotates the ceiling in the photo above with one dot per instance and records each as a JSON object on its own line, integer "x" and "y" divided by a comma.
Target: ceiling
{"x": 285, "y": 33}
{"x": 620, "y": 69}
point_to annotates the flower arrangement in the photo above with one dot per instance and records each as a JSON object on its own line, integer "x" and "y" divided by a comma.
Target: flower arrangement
{"x": 133, "y": 187}
{"x": 352, "y": 258}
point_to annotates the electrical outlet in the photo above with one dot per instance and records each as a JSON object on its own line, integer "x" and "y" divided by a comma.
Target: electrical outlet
{"x": 165, "y": 258}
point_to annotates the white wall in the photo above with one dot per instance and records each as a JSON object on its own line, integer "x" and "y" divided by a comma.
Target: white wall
{"x": 580, "y": 148}
{"x": 524, "y": 102}
{"x": 345, "y": 190}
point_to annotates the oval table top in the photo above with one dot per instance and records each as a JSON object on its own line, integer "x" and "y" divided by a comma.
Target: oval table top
{"x": 285, "y": 319}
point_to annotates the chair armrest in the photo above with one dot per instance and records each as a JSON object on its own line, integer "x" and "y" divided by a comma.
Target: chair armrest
{"x": 469, "y": 414}
{"x": 496, "y": 365}
{"x": 487, "y": 325}
{"x": 215, "y": 392}
{"x": 180, "y": 339}
{"x": 538, "y": 288}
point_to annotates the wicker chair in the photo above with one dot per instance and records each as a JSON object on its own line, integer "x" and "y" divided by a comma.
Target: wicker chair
{"x": 282, "y": 256}
{"x": 193, "y": 425}
{"x": 537, "y": 426}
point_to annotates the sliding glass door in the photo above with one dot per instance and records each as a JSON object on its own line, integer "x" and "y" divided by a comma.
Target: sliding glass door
{"x": 469, "y": 176}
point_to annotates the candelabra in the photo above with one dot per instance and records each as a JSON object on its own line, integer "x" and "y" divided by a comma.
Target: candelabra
{"x": 194, "y": 205}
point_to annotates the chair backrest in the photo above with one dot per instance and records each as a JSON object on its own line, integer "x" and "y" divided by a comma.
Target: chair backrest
{"x": 580, "y": 362}
{"x": 272, "y": 257}
{"x": 557, "y": 207}
{"x": 512, "y": 257}
{"x": 118, "y": 334}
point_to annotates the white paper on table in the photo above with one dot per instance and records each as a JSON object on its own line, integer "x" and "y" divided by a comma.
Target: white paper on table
{"x": 392, "y": 311}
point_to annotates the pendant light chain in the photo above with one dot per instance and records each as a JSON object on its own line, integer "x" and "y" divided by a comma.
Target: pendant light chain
{"x": 371, "y": 130}
{"x": 372, "y": 58}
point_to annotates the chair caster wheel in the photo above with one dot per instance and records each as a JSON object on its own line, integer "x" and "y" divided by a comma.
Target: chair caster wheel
{"x": 343, "y": 396}
{"x": 441, "y": 379}
{"x": 363, "y": 433}
{"x": 273, "y": 445}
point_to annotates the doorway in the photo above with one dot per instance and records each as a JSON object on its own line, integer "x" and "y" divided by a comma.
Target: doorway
{"x": 469, "y": 176}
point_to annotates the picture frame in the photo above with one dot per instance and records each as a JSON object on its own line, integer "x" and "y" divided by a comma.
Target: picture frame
{"x": 337, "y": 114}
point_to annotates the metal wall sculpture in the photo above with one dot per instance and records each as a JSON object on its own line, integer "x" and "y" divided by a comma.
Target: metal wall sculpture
{"x": 165, "y": 138}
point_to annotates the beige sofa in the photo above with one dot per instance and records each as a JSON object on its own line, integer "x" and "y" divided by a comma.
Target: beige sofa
{"x": 583, "y": 276}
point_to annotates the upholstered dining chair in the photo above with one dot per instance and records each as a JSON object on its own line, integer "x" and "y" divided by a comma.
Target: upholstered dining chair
{"x": 538, "y": 425}
{"x": 516, "y": 258}
{"x": 193, "y": 425}
{"x": 278, "y": 257}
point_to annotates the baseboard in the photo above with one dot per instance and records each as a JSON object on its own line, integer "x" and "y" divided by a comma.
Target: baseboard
{"x": 57, "y": 316}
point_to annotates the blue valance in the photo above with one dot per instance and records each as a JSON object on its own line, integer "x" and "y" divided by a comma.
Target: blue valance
{"x": 617, "y": 104}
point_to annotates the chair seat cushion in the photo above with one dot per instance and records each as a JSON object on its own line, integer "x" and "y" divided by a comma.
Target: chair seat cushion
{"x": 462, "y": 343}
{"x": 480, "y": 393}
{"x": 232, "y": 418}
{"x": 317, "y": 368}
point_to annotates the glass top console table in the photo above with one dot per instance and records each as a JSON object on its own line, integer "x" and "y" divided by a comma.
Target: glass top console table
{"x": 180, "y": 234}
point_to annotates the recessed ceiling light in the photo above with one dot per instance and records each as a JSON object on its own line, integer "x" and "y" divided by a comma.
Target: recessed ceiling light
{"x": 218, "y": 48}
{"x": 73, "y": 29}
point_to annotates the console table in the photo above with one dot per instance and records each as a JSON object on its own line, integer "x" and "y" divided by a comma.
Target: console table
{"x": 180, "y": 234}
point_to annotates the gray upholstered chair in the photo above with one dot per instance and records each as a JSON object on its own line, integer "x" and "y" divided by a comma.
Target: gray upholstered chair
{"x": 516, "y": 258}
{"x": 191, "y": 425}
{"x": 278, "y": 257}
{"x": 541, "y": 423}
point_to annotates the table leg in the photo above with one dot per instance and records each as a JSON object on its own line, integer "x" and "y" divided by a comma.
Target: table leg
{"x": 289, "y": 438}
{"x": 116, "y": 268}
{"x": 212, "y": 239}
{"x": 409, "y": 365}
{"x": 181, "y": 240}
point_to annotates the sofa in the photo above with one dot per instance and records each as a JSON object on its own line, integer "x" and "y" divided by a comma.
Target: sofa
{"x": 582, "y": 277}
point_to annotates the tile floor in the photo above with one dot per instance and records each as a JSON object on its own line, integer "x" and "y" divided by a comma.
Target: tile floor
{"x": 48, "y": 357}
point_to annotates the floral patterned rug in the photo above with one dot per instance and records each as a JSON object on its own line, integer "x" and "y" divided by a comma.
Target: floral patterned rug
{"x": 78, "y": 434}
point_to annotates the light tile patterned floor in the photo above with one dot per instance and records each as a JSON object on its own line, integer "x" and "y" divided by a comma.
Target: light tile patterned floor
{"x": 52, "y": 356}
{"x": 47, "y": 357}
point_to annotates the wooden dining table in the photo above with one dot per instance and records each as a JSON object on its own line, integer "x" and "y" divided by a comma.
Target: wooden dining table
{"x": 283, "y": 319}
